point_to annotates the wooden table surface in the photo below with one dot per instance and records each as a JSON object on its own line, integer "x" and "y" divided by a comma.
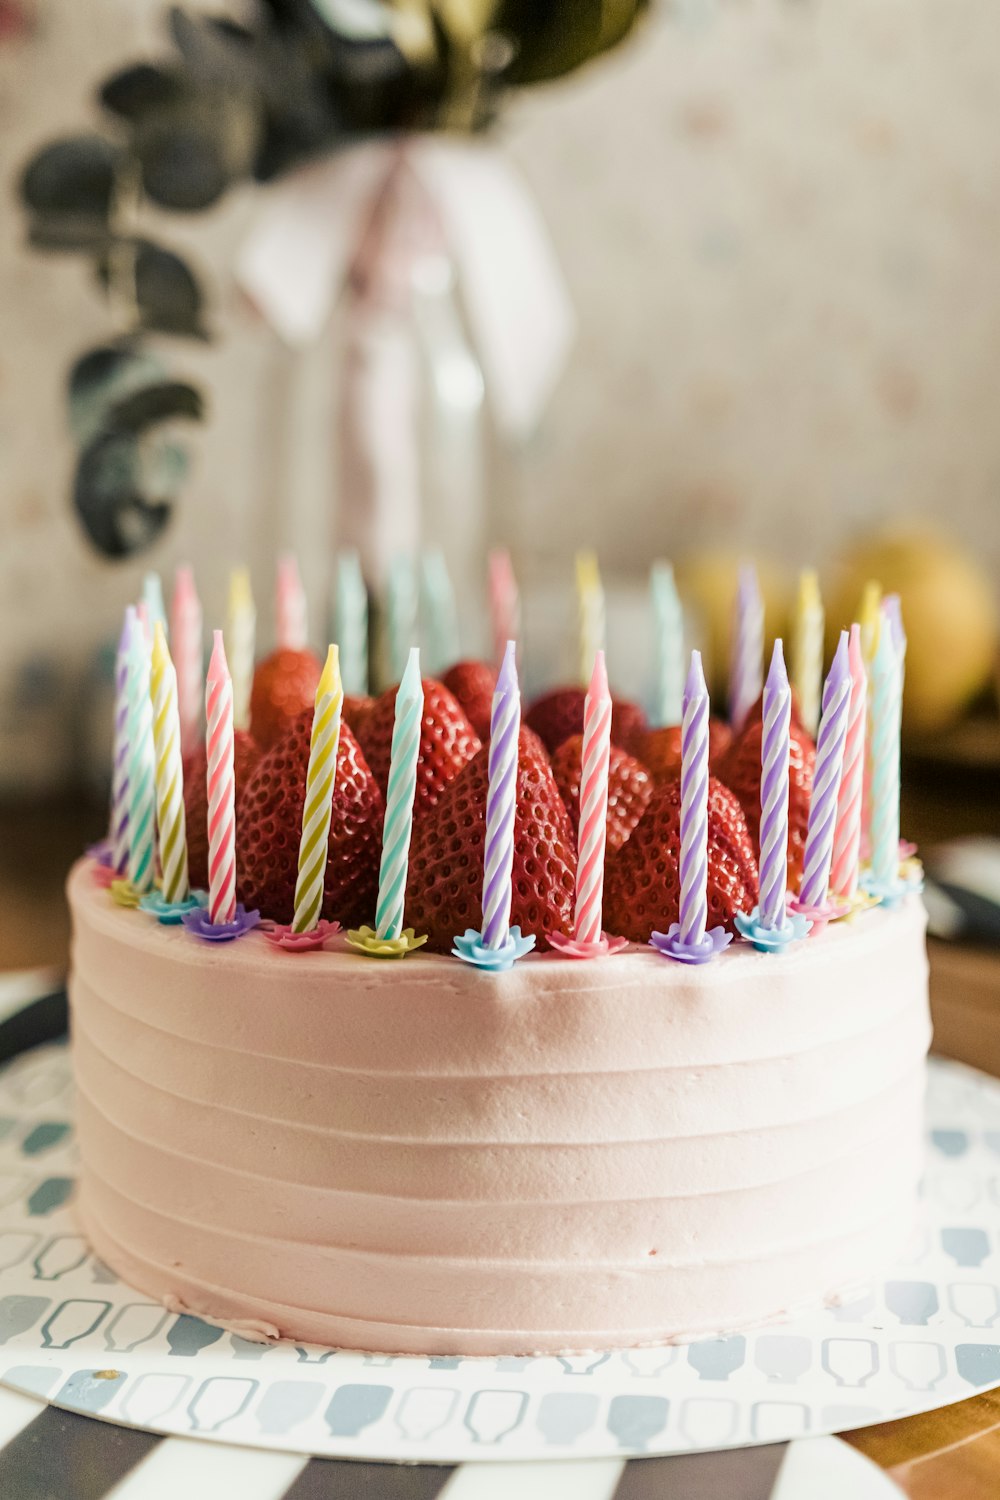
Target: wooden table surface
{"x": 951, "y": 1454}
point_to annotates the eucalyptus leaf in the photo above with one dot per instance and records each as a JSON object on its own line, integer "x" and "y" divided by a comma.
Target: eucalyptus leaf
{"x": 103, "y": 376}
{"x": 64, "y": 232}
{"x": 167, "y": 296}
{"x": 123, "y": 492}
{"x": 554, "y": 38}
{"x": 192, "y": 152}
{"x": 151, "y": 405}
{"x": 74, "y": 177}
{"x": 140, "y": 89}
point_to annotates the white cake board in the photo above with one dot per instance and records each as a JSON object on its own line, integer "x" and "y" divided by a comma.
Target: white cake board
{"x": 924, "y": 1336}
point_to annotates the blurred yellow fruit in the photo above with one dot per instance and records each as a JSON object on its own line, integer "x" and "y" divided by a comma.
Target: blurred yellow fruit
{"x": 949, "y": 612}
{"x": 707, "y": 585}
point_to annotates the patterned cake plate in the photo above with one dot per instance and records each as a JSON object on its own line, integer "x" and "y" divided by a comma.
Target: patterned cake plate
{"x": 924, "y": 1336}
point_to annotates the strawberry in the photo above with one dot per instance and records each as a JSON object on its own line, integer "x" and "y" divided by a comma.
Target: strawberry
{"x": 739, "y": 768}
{"x": 246, "y": 756}
{"x": 630, "y": 787}
{"x": 642, "y": 880}
{"x": 447, "y": 742}
{"x": 660, "y": 751}
{"x": 445, "y": 887}
{"x": 473, "y": 683}
{"x": 283, "y": 685}
{"x": 557, "y": 715}
{"x": 357, "y": 707}
{"x": 720, "y": 737}
{"x": 269, "y": 824}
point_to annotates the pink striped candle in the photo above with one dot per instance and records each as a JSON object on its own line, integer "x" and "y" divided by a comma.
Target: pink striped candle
{"x": 593, "y": 806}
{"x": 186, "y": 650}
{"x": 221, "y": 789}
{"x": 826, "y": 782}
{"x": 847, "y": 834}
{"x": 292, "y": 625}
{"x": 505, "y": 603}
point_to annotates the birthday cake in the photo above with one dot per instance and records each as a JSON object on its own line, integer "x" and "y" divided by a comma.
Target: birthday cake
{"x": 497, "y": 1129}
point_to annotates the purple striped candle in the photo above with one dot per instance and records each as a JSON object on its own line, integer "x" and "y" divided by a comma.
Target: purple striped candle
{"x": 847, "y": 835}
{"x": 826, "y": 780}
{"x": 694, "y": 806}
{"x": 774, "y": 793}
{"x": 748, "y": 649}
{"x": 501, "y": 803}
{"x": 119, "y": 771}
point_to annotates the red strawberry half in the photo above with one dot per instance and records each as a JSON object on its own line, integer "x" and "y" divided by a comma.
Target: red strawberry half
{"x": 445, "y": 887}
{"x": 357, "y": 707}
{"x": 642, "y": 881}
{"x": 269, "y": 824}
{"x": 739, "y": 768}
{"x": 246, "y": 754}
{"x": 630, "y": 787}
{"x": 473, "y": 684}
{"x": 447, "y": 742}
{"x": 660, "y": 751}
{"x": 283, "y": 685}
{"x": 559, "y": 714}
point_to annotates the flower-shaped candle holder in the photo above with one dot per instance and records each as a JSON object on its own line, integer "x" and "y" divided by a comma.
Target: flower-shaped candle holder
{"x": 124, "y": 893}
{"x": 767, "y": 939}
{"x": 699, "y": 950}
{"x": 282, "y": 935}
{"x": 572, "y": 947}
{"x": 471, "y": 948}
{"x": 830, "y": 910}
{"x": 200, "y": 925}
{"x": 366, "y": 940}
{"x": 171, "y": 913}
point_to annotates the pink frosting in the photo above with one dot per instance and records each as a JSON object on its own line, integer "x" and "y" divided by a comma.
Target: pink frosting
{"x": 422, "y": 1157}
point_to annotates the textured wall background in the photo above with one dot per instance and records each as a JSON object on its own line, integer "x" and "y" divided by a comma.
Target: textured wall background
{"x": 778, "y": 220}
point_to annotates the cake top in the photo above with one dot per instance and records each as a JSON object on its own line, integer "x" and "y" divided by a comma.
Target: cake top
{"x": 434, "y": 817}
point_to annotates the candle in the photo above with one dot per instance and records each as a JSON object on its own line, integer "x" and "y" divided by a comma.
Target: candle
{"x": 168, "y": 777}
{"x": 119, "y": 769}
{"x": 668, "y": 647}
{"x": 748, "y": 649}
{"x": 186, "y": 635}
{"x": 826, "y": 780}
{"x": 240, "y": 643}
{"x": 774, "y": 793}
{"x": 590, "y": 606}
{"x": 400, "y": 792}
{"x": 152, "y": 599}
{"x": 439, "y": 613}
{"x": 141, "y": 797}
{"x": 886, "y": 713}
{"x": 869, "y": 618}
{"x": 501, "y": 804}
{"x": 291, "y": 621}
{"x": 142, "y": 618}
{"x": 892, "y": 614}
{"x": 687, "y": 939}
{"x": 847, "y": 836}
{"x": 350, "y": 622}
{"x": 400, "y": 615}
{"x": 221, "y": 788}
{"x": 593, "y": 806}
{"x": 505, "y": 602}
{"x": 807, "y": 649}
{"x": 693, "y": 913}
{"x": 318, "y": 809}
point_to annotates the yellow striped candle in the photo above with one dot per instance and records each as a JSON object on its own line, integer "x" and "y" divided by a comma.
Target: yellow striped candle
{"x": 318, "y": 809}
{"x": 807, "y": 650}
{"x": 590, "y": 606}
{"x": 169, "y": 778}
{"x": 241, "y": 631}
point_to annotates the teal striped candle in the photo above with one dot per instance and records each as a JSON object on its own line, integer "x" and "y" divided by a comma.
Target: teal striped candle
{"x": 668, "y": 647}
{"x": 399, "y": 801}
{"x": 141, "y": 767}
{"x": 438, "y": 614}
{"x": 350, "y": 622}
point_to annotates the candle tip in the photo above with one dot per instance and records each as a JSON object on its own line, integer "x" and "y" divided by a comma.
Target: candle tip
{"x": 128, "y": 626}
{"x": 749, "y": 585}
{"x": 218, "y": 665}
{"x": 599, "y": 677}
{"x": 695, "y": 684}
{"x": 240, "y": 593}
{"x": 777, "y": 676}
{"x": 329, "y": 680}
{"x": 507, "y": 676}
{"x": 160, "y": 652}
{"x": 809, "y": 595}
{"x": 409, "y": 686}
